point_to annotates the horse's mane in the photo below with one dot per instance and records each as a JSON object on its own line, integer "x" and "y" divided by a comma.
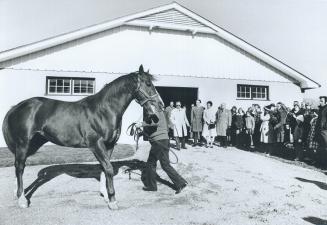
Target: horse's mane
{"x": 113, "y": 88}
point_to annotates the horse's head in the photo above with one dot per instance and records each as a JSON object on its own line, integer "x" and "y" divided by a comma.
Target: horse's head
{"x": 147, "y": 95}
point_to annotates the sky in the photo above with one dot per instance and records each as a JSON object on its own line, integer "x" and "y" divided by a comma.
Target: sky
{"x": 293, "y": 31}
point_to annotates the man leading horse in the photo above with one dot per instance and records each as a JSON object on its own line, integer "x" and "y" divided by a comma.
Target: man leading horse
{"x": 157, "y": 133}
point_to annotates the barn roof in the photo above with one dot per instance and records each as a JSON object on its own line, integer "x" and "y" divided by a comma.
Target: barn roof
{"x": 171, "y": 16}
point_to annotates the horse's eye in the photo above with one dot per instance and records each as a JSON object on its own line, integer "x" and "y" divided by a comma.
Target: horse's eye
{"x": 148, "y": 83}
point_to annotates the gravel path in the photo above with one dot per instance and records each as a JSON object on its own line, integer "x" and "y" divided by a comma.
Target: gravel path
{"x": 226, "y": 186}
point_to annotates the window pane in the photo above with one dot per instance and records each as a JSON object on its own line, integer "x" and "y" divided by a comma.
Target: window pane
{"x": 52, "y": 82}
{"x": 84, "y": 83}
{"x": 90, "y": 90}
{"x": 52, "y": 89}
{"x": 77, "y": 90}
{"x": 60, "y": 82}
{"x": 59, "y": 89}
{"x": 66, "y": 82}
{"x": 67, "y": 89}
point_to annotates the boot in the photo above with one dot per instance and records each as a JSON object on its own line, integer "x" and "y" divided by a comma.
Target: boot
{"x": 183, "y": 143}
{"x": 178, "y": 144}
{"x": 195, "y": 141}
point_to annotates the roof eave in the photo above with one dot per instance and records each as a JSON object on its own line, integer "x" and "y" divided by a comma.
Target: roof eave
{"x": 303, "y": 81}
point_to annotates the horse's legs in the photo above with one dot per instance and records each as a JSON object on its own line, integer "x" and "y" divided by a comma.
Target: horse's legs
{"x": 103, "y": 186}
{"x": 20, "y": 159}
{"x": 103, "y": 155}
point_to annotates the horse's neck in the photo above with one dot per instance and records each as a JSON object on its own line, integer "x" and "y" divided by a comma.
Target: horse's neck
{"x": 117, "y": 96}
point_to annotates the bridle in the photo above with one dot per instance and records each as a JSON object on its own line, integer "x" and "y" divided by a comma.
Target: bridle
{"x": 142, "y": 93}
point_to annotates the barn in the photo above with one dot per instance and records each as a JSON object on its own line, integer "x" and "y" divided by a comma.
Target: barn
{"x": 191, "y": 57}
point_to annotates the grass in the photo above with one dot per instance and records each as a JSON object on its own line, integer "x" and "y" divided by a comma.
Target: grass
{"x": 53, "y": 154}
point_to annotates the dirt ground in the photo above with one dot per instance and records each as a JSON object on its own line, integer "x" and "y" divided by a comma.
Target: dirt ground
{"x": 226, "y": 186}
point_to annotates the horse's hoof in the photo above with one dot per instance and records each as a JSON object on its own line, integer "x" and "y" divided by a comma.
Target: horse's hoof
{"x": 22, "y": 202}
{"x": 113, "y": 205}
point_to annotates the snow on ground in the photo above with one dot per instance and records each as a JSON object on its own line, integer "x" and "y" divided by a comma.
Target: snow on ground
{"x": 226, "y": 186}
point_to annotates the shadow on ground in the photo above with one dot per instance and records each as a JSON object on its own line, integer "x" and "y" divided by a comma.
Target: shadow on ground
{"x": 85, "y": 171}
{"x": 320, "y": 184}
{"x": 54, "y": 154}
{"x": 315, "y": 220}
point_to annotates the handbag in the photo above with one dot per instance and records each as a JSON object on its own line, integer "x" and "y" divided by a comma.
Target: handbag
{"x": 211, "y": 126}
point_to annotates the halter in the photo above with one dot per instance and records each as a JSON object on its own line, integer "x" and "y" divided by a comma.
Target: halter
{"x": 146, "y": 96}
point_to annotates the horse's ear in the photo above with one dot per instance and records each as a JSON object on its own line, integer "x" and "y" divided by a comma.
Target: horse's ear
{"x": 141, "y": 70}
{"x": 148, "y": 71}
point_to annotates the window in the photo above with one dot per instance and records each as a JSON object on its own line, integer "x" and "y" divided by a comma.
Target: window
{"x": 83, "y": 86}
{"x": 254, "y": 92}
{"x": 70, "y": 86}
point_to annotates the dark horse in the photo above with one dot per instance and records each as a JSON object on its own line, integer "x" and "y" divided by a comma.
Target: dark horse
{"x": 93, "y": 122}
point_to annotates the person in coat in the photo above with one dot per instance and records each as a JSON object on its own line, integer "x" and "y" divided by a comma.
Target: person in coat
{"x": 209, "y": 129}
{"x": 321, "y": 130}
{"x": 265, "y": 137}
{"x": 312, "y": 143}
{"x": 240, "y": 125}
{"x": 197, "y": 121}
{"x": 168, "y": 110}
{"x": 249, "y": 129}
{"x": 298, "y": 138}
{"x": 157, "y": 134}
{"x": 256, "y": 113}
{"x": 180, "y": 123}
{"x": 233, "y": 126}
{"x": 279, "y": 128}
{"x": 223, "y": 122}
{"x": 274, "y": 119}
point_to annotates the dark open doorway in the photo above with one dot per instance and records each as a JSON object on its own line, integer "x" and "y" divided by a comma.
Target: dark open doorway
{"x": 186, "y": 95}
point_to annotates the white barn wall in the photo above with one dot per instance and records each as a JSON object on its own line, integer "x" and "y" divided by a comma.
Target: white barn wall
{"x": 29, "y": 83}
{"x": 225, "y": 90}
{"x": 164, "y": 52}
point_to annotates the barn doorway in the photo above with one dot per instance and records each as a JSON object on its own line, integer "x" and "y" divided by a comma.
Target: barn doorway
{"x": 186, "y": 95}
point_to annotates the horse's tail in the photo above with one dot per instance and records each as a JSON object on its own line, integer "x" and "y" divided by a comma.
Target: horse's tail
{"x": 6, "y": 132}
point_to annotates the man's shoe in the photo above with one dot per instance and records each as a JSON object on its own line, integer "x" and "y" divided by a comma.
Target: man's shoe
{"x": 149, "y": 189}
{"x": 184, "y": 147}
{"x": 178, "y": 190}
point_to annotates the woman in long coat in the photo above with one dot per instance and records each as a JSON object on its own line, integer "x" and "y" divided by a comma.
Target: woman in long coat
{"x": 197, "y": 121}
{"x": 223, "y": 122}
{"x": 209, "y": 130}
{"x": 233, "y": 126}
{"x": 180, "y": 122}
{"x": 266, "y": 130}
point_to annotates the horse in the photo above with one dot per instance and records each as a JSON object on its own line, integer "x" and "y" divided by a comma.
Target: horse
{"x": 93, "y": 122}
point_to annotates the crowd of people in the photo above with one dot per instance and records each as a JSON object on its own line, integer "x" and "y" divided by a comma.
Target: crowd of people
{"x": 275, "y": 129}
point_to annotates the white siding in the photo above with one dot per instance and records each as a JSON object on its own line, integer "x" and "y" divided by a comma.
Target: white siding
{"x": 164, "y": 52}
{"x": 17, "y": 85}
